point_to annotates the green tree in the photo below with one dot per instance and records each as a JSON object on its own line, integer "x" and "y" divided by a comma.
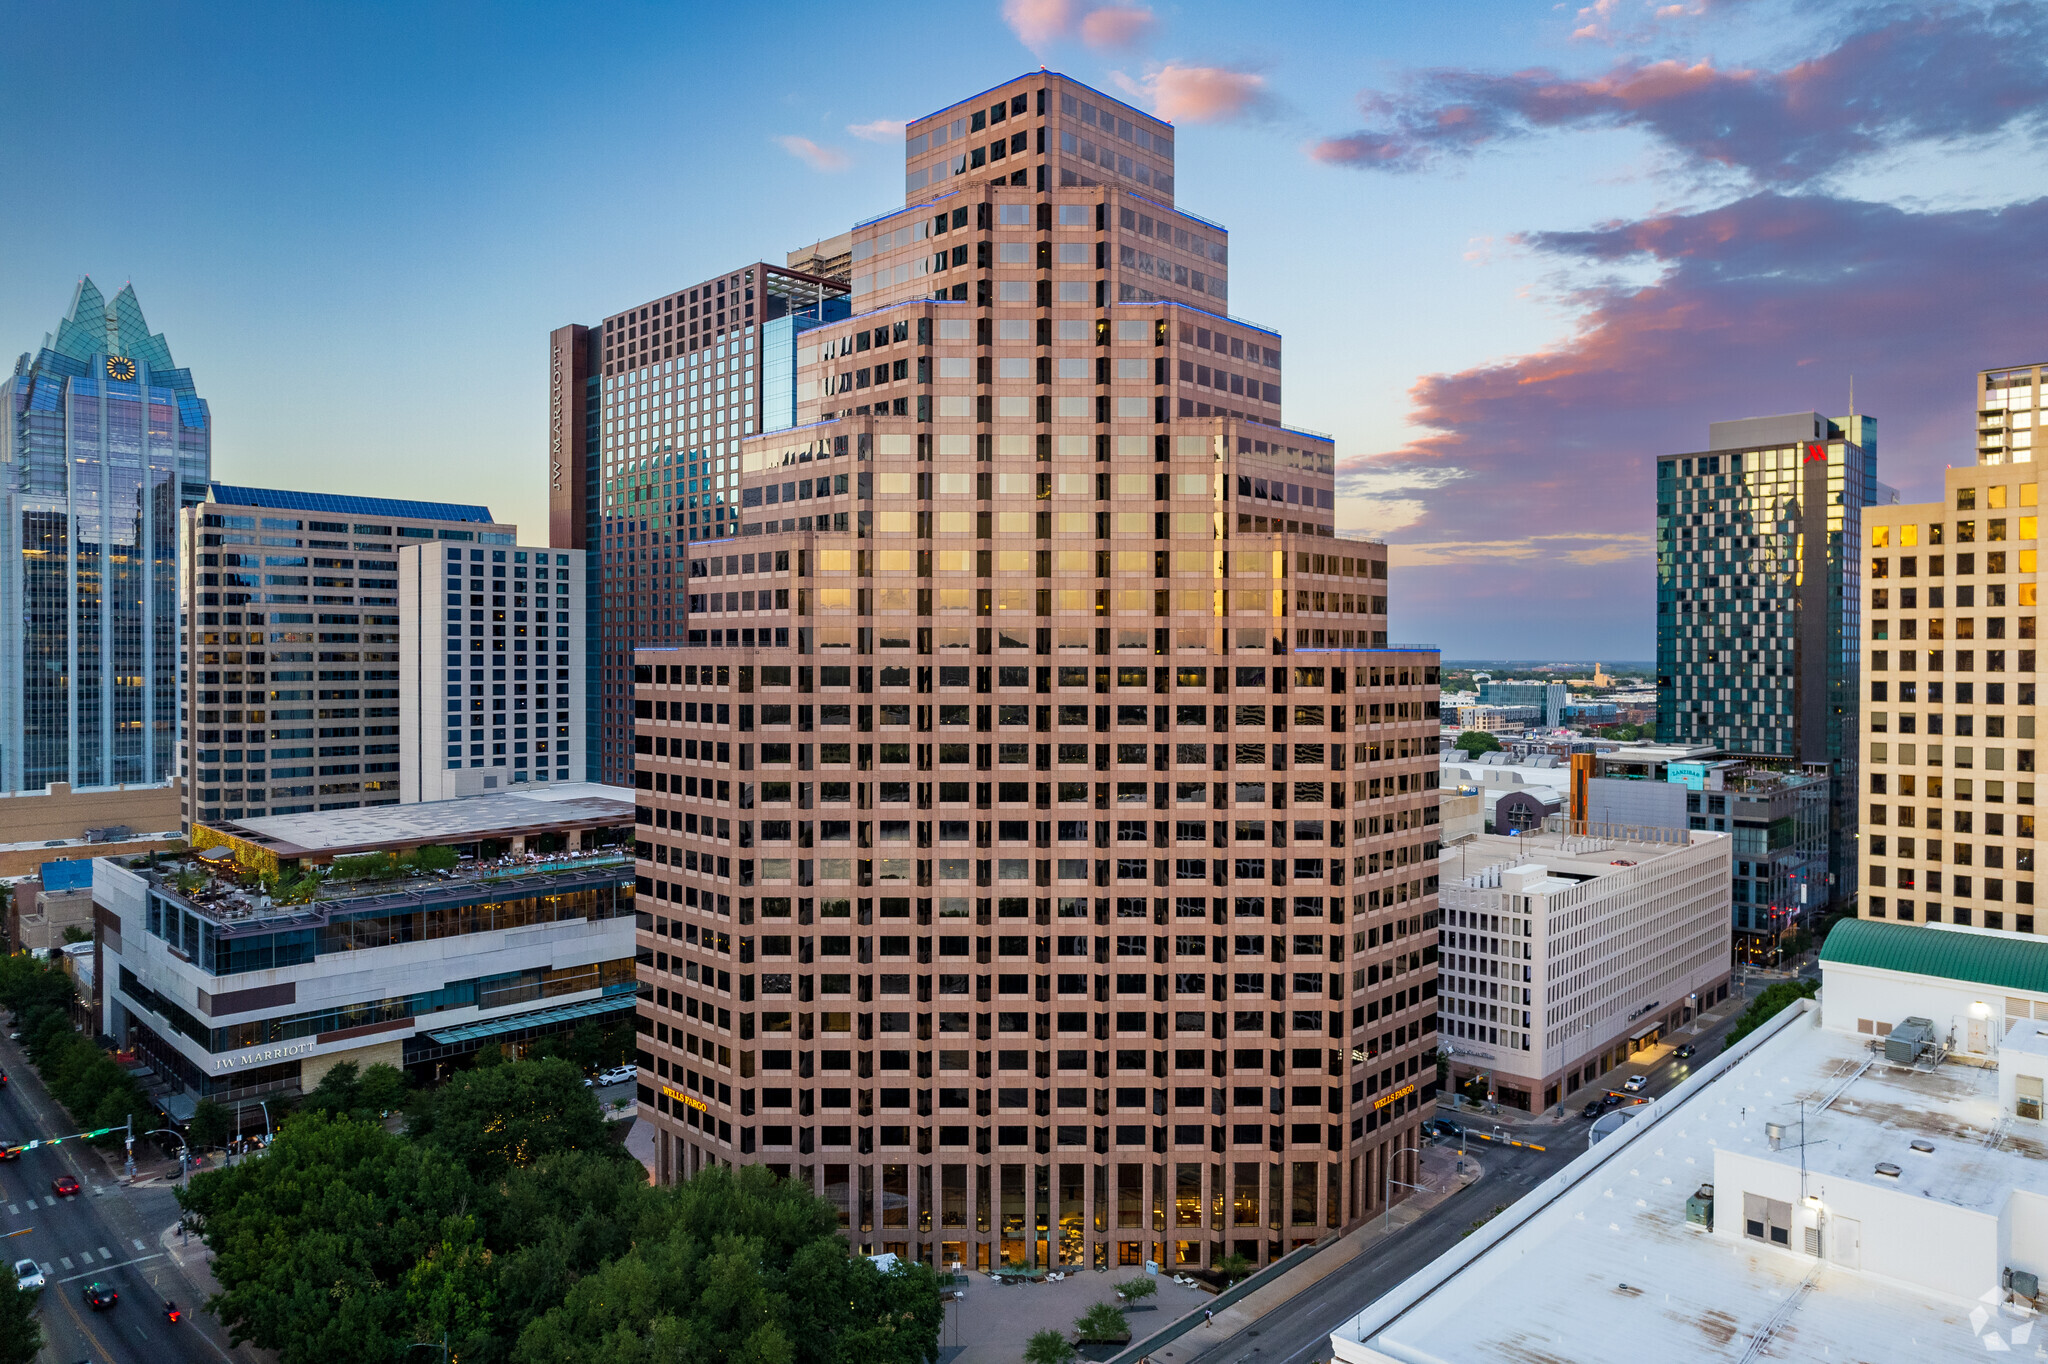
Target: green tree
{"x": 1233, "y": 1267}
{"x": 382, "y": 1089}
{"x": 74, "y": 933}
{"x": 1138, "y": 1289}
{"x": 209, "y": 1125}
{"x": 1049, "y": 1347}
{"x": 1769, "y": 1005}
{"x": 315, "y": 1243}
{"x": 1103, "y": 1321}
{"x": 370, "y": 866}
{"x": 741, "y": 1266}
{"x": 1476, "y": 742}
{"x": 509, "y": 1116}
{"x": 339, "y": 1092}
{"x": 21, "y": 1335}
{"x": 434, "y": 857}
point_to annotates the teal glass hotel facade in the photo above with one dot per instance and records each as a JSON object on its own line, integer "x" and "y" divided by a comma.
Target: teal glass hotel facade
{"x": 103, "y": 438}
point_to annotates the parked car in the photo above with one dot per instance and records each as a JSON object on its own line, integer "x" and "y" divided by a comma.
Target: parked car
{"x": 64, "y": 1186}
{"x": 1685, "y": 1052}
{"x": 619, "y": 1075}
{"x": 1635, "y": 1083}
{"x": 1591, "y": 1110}
{"x": 27, "y": 1274}
{"x": 99, "y": 1297}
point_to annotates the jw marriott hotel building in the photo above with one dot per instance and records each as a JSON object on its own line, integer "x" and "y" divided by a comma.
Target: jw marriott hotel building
{"x": 1037, "y": 829}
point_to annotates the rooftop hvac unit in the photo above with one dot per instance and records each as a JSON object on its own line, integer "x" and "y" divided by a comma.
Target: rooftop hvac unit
{"x": 1699, "y": 1209}
{"x": 1902, "y": 1047}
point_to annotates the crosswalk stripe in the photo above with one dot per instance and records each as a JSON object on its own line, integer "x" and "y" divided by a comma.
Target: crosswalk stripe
{"x": 66, "y": 1262}
{"x": 138, "y": 1243}
{"x": 13, "y": 1211}
{"x": 106, "y": 1254}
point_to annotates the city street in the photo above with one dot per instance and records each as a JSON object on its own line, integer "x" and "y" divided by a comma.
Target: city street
{"x": 1298, "y": 1331}
{"x": 104, "y": 1234}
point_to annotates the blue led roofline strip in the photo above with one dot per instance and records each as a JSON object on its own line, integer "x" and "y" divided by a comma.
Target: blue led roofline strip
{"x": 283, "y": 500}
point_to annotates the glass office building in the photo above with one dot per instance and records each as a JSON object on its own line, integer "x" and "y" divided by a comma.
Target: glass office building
{"x": 104, "y": 438}
{"x": 1759, "y": 596}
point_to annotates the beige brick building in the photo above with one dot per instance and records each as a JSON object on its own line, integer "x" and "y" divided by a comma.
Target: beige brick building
{"x": 1039, "y": 832}
{"x": 1949, "y": 745}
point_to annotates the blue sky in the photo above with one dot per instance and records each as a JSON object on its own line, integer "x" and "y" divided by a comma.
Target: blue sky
{"x": 1517, "y": 250}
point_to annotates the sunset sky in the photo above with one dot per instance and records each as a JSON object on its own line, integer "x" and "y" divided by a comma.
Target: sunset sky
{"x": 1517, "y": 250}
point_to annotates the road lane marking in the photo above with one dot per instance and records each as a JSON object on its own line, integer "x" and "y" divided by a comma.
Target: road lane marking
{"x": 140, "y": 1259}
{"x": 139, "y": 1245}
{"x": 67, "y": 1262}
{"x": 106, "y": 1254}
{"x": 15, "y": 1211}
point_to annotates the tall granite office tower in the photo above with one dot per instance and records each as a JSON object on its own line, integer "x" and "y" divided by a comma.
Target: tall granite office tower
{"x": 1038, "y": 828}
{"x": 102, "y": 439}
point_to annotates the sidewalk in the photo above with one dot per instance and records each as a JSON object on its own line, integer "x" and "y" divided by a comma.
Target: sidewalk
{"x": 1516, "y": 1122}
{"x": 1438, "y": 1169}
{"x": 193, "y": 1260}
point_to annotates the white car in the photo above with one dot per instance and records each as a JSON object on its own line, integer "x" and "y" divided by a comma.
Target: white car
{"x": 1635, "y": 1083}
{"x": 27, "y": 1275}
{"x": 619, "y": 1075}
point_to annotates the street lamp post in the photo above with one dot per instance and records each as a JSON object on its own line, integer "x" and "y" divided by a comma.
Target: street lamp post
{"x": 184, "y": 1151}
{"x": 1388, "y": 1196}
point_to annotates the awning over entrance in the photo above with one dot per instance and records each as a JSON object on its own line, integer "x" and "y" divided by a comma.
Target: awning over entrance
{"x": 472, "y": 1032}
{"x": 1640, "y": 1033}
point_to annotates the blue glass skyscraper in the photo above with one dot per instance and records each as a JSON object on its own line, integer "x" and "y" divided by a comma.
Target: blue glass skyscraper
{"x": 102, "y": 439}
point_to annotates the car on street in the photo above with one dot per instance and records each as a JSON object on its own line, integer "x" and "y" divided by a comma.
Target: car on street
{"x": 1443, "y": 1129}
{"x": 1635, "y": 1083}
{"x": 9, "y": 1151}
{"x": 619, "y": 1075}
{"x": 1685, "y": 1052}
{"x": 1609, "y": 1099}
{"x": 27, "y": 1274}
{"x": 3, "y": 1079}
{"x": 99, "y": 1297}
{"x": 1591, "y": 1110}
{"x": 64, "y": 1186}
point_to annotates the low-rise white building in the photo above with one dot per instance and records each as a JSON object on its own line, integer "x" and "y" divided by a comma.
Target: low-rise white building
{"x": 1817, "y": 1193}
{"x": 1562, "y": 955}
{"x": 229, "y": 993}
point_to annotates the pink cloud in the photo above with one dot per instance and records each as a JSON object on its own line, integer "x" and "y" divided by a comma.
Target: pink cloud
{"x": 1040, "y": 23}
{"x": 1197, "y": 94}
{"x": 1902, "y": 76}
{"x": 818, "y": 158}
{"x": 1117, "y": 27}
{"x": 1764, "y": 305}
{"x": 877, "y": 130}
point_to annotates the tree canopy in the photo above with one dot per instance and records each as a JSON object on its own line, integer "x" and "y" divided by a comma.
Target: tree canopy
{"x": 1773, "y": 1001}
{"x": 1476, "y": 742}
{"x": 508, "y": 1217}
{"x": 21, "y": 1335}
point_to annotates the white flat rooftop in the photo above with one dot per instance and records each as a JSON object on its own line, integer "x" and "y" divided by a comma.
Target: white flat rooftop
{"x": 464, "y": 820}
{"x": 1600, "y": 1264}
